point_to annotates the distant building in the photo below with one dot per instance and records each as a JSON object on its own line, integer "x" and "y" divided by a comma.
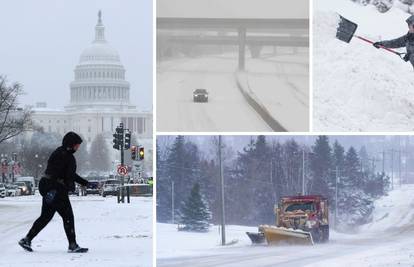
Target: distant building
{"x": 99, "y": 97}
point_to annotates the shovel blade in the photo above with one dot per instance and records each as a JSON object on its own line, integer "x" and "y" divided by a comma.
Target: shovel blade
{"x": 346, "y": 29}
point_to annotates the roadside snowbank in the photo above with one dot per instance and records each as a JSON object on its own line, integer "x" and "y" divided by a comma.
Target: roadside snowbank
{"x": 394, "y": 212}
{"x": 358, "y": 87}
{"x": 172, "y": 243}
{"x": 393, "y": 229}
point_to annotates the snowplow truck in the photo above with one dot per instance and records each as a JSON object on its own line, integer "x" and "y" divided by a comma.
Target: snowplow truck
{"x": 299, "y": 220}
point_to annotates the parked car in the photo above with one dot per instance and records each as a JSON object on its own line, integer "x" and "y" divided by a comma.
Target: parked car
{"x": 3, "y": 191}
{"x": 93, "y": 187}
{"x": 200, "y": 95}
{"x": 24, "y": 188}
{"x": 110, "y": 187}
{"x": 30, "y": 182}
{"x": 12, "y": 190}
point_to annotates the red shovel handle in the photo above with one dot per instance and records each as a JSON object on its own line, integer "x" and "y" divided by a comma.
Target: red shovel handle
{"x": 383, "y": 47}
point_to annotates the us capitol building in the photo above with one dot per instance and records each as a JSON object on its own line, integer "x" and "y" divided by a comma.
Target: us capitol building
{"x": 99, "y": 97}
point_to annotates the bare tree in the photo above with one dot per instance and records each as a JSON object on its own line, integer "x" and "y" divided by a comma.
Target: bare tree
{"x": 13, "y": 120}
{"x": 99, "y": 155}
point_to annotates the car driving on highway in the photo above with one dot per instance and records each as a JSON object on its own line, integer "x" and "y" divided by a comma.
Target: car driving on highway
{"x": 200, "y": 95}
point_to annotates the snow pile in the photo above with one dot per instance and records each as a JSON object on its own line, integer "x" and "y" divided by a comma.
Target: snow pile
{"x": 387, "y": 240}
{"x": 394, "y": 212}
{"x": 172, "y": 243}
{"x": 358, "y": 87}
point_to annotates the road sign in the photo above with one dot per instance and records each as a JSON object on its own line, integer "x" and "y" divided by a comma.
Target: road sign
{"x": 122, "y": 170}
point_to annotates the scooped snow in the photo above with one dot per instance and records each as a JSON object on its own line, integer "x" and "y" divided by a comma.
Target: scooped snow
{"x": 358, "y": 87}
{"x": 394, "y": 212}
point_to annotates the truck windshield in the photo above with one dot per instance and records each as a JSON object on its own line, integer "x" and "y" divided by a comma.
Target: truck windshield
{"x": 310, "y": 206}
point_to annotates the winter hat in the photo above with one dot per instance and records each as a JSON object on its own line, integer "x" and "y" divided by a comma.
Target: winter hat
{"x": 410, "y": 20}
{"x": 71, "y": 139}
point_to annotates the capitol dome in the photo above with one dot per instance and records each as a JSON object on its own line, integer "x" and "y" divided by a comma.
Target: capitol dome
{"x": 99, "y": 76}
{"x": 99, "y": 52}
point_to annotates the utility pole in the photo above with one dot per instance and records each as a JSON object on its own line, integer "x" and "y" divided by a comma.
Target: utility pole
{"x": 336, "y": 196}
{"x": 392, "y": 169}
{"x": 399, "y": 165}
{"x": 223, "y": 222}
{"x": 172, "y": 202}
{"x": 303, "y": 171}
{"x": 271, "y": 180}
{"x": 121, "y": 125}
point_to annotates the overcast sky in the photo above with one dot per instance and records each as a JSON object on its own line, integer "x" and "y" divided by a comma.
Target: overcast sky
{"x": 41, "y": 42}
{"x": 234, "y": 8}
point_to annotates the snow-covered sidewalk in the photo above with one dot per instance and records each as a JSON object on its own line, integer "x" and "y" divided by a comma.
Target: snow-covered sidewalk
{"x": 116, "y": 234}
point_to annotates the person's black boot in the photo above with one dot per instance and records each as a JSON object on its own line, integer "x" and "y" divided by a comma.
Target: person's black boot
{"x": 26, "y": 244}
{"x": 75, "y": 248}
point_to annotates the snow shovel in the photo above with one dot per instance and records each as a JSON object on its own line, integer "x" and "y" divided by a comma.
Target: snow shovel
{"x": 346, "y": 30}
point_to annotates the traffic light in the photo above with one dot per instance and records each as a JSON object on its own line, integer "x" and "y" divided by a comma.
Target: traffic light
{"x": 116, "y": 141}
{"x": 127, "y": 140}
{"x": 133, "y": 152}
{"x": 118, "y": 136}
{"x": 141, "y": 153}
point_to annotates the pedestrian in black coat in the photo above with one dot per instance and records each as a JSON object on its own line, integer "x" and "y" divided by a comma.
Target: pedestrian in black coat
{"x": 59, "y": 178}
{"x": 406, "y": 41}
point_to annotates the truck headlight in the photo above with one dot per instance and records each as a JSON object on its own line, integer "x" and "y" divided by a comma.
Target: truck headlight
{"x": 310, "y": 224}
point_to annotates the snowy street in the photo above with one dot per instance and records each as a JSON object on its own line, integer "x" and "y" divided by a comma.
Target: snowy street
{"x": 278, "y": 82}
{"x": 387, "y": 241}
{"x": 116, "y": 234}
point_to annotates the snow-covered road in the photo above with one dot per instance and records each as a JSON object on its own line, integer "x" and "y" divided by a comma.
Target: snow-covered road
{"x": 387, "y": 241}
{"x": 226, "y": 109}
{"x": 116, "y": 234}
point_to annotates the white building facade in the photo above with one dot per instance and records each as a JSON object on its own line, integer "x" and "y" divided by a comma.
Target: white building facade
{"x": 99, "y": 97}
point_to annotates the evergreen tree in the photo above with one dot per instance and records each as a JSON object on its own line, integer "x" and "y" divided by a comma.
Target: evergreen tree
{"x": 321, "y": 162}
{"x": 338, "y": 166}
{"x": 182, "y": 167}
{"x": 195, "y": 212}
{"x": 354, "y": 205}
{"x": 377, "y": 185}
{"x": 353, "y": 169}
{"x": 254, "y": 183}
{"x": 293, "y": 166}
